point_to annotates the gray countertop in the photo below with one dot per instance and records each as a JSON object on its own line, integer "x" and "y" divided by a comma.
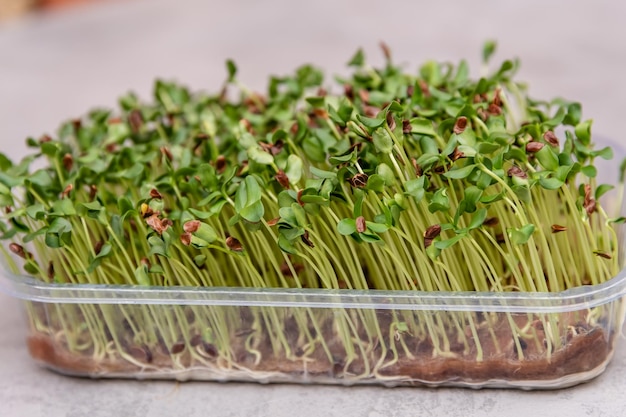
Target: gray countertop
{"x": 54, "y": 67}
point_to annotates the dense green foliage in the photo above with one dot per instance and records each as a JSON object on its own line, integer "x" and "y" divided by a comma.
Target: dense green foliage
{"x": 383, "y": 180}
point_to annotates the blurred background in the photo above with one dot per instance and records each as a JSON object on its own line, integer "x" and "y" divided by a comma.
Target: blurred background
{"x": 10, "y": 9}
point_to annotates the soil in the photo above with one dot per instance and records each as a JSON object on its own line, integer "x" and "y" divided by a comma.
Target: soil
{"x": 584, "y": 353}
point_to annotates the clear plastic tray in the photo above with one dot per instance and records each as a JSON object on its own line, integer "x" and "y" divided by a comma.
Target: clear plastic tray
{"x": 530, "y": 340}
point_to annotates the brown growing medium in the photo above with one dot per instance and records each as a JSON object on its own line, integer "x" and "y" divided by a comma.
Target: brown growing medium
{"x": 586, "y": 349}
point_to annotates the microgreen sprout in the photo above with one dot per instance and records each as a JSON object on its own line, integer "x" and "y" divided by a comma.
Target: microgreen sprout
{"x": 400, "y": 181}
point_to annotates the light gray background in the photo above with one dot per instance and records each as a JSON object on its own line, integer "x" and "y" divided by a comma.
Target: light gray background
{"x": 56, "y": 66}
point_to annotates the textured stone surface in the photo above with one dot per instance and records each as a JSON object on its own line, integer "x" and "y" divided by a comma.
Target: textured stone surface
{"x": 56, "y": 66}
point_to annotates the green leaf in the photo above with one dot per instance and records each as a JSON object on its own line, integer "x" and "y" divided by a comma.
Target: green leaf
{"x": 382, "y": 141}
{"x": 231, "y": 69}
{"x": 522, "y": 235}
{"x": 36, "y": 211}
{"x": 489, "y": 48}
{"x": 206, "y": 233}
{"x": 445, "y": 244}
{"x": 142, "y": 277}
{"x": 5, "y": 162}
{"x": 450, "y": 146}
{"x": 246, "y": 140}
{"x": 522, "y": 192}
{"x": 125, "y": 206}
{"x": 341, "y": 159}
{"x": 427, "y": 160}
{"x": 253, "y": 190}
{"x": 316, "y": 102}
{"x": 440, "y": 201}
{"x": 548, "y": 158}
{"x": 583, "y": 132}
{"x": 286, "y": 245}
{"x": 346, "y": 227}
{"x": 467, "y": 150}
{"x": 415, "y": 188}
{"x": 562, "y": 173}
{"x": 462, "y": 74}
{"x": 203, "y": 215}
{"x": 472, "y": 197}
{"x": 604, "y": 153}
{"x": 370, "y": 237}
{"x": 603, "y": 189}
{"x": 342, "y": 115}
{"x": 299, "y": 214}
{"x": 133, "y": 172}
{"x": 574, "y": 111}
{"x": 291, "y": 233}
{"x": 478, "y": 219}
{"x": 41, "y": 178}
{"x": 589, "y": 171}
{"x": 358, "y": 59}
{"x": 386, "y": 173}
{"x": 10, "y": 181}
{"x": 259, "y": 156}
{"x": 377, "y": 227}
{"x": 50, "y": 149}
{"x": 319, "y": 173}
{"x": 52, "y": 240}
{"x": 551, "y": 183}
{"x": 376, "y": 183}
{"x": 370, "y": 122}
{"x": 31, "y": 267}
{"x": 157, "y": 246}
{"x": 422, "y": 126}
{"x": 487, "y": 148}
{"x": 60, "y": 225}
{"x": 484, "y": 181}
{"x": 314, "y": 199}
{"x": 253, "y": 212}
{"x": 63, "y": 207}
{"x": 460, "y": 173}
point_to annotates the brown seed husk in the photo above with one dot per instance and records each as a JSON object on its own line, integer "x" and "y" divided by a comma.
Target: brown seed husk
{"x": 66, "y": 192}
{"x": 282, "y": 179}
{"x": 533, "y": 147}
{"x": 406, "y": 126}
{"x": 191, "y": 226}
{"x": 154, "y": 193}
{"x": 359, "y": 180}
{"x": 157, "y": 224}
{"x": 491, "y": 222}
{"x": 430, "y": 234}
{"x": 234, "y": 244}
{"x": 220, "y": 164}
{"x": 185, "y": 238}
{"x": 391, "y": 121}
{"x": 135, "y": 120}
{"x": 68, "y": 162}
{"x": 460, "y": 125}
{"x": 166, "y": 153}
{"x": 516, "y": 171}
{"x": 551, "y": 138}
{"x": 360, "y": 224}
{"x": 18, "y": 250}
{"x": 306, "y": 240}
